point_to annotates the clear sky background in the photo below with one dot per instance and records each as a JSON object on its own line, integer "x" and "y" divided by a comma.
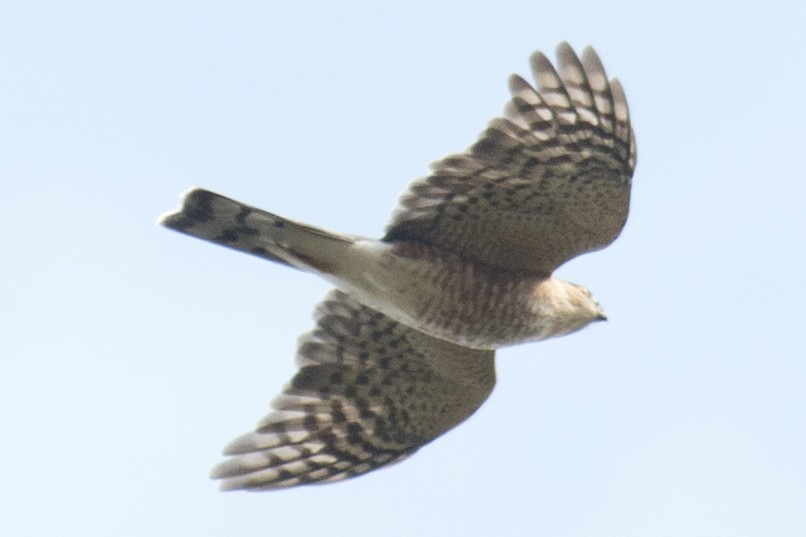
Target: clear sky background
{"x": 131, "y": 355}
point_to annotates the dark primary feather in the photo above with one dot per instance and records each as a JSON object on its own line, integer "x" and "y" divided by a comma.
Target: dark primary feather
{"x": 547, "y": 182}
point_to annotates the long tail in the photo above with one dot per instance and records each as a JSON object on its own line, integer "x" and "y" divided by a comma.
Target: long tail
{"x": 209, "y": 216}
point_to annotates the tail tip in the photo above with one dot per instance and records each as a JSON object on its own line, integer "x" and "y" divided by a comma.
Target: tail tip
{"x": 195, "y": 207}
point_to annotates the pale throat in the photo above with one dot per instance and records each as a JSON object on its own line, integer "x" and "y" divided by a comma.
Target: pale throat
{"x": 553, "y": 296}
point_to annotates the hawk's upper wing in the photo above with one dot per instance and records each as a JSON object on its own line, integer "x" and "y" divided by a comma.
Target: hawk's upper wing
{"x": 369, "y": 392}
{"x": 549, "y": 181}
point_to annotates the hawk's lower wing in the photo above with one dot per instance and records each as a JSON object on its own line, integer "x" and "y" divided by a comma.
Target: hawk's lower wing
{"x": 548, "y": 182}
{"x": 369, "y": 392}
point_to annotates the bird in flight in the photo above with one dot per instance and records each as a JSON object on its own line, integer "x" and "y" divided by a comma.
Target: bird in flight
{"x": 403, "y": 348}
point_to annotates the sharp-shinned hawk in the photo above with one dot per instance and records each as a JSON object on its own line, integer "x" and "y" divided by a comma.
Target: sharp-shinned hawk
{"x": 403, "y": 348}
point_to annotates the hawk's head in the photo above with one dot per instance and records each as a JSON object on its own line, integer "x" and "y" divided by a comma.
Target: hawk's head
{"x": 565, "y": 307}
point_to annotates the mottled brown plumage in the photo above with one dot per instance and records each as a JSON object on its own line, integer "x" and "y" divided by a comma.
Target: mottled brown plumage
{"x": 369, "y": 392}
{"x": 404, "y": 349}
{"x": 547, "y": 182}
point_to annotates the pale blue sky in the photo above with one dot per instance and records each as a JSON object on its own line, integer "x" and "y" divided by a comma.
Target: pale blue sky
{"x": 131, "y": 355}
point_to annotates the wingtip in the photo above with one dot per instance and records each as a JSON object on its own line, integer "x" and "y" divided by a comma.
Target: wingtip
{"x": 539, "y": 60}
{"x": 564, "y": 48}
{"x": 227, "y": 484}
{"x": 589, "y": 50}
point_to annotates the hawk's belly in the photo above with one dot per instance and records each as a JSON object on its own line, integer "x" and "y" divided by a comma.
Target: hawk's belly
{"x": 445, "y": 295}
